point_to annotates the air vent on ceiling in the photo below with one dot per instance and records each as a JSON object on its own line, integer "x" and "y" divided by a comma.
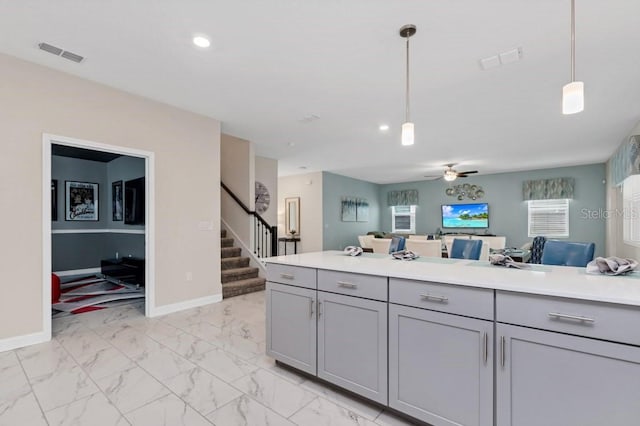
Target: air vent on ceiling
{"x": 51, "y": 49}
{"x": 60, "y": 52}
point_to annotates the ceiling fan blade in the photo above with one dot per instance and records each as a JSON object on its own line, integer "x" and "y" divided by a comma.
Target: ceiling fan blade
{"x": 470, "y": 172}
{"x": 434, "y": 177}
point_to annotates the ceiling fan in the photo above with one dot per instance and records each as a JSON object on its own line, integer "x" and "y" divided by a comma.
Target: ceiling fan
{"x": 450, "y": 174}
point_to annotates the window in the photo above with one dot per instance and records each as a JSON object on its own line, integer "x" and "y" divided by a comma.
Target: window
{"x": 403, "y": 219}
{"x": 630, "y": 210}
{"x": 549, "y": 218}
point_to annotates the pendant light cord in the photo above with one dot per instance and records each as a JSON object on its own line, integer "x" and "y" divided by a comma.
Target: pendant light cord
{"x": 573, "y": 40}
{"x": 407, "y": 111}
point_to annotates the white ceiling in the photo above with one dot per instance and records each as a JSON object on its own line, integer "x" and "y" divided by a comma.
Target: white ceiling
{"x": 275, "y": 62}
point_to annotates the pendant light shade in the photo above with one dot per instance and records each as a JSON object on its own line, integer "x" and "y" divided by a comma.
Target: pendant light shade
{"x": 573, "y": 93}
{"x": 407, "y": 133}
{"x": 573, "y": 97}
{"x": 407, "y": 127}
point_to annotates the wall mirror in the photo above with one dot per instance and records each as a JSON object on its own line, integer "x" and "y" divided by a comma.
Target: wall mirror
{"x": 292, "y": 215}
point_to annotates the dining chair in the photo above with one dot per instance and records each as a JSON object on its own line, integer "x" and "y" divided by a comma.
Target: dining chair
{"x": 365, "y": 241}
{"x": 381, "y": 245}
{"x": 465, "y": 249}
{"x": 425, "y": 248}
{"x": 397, "y": 244}
{"x": 567, "y": 253}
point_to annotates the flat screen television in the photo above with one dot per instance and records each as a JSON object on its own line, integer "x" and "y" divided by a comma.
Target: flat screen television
{"x": 474, "y": 215}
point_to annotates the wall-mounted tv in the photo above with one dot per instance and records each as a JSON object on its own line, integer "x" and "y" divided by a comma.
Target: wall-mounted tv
{"x": 474, "y": 215}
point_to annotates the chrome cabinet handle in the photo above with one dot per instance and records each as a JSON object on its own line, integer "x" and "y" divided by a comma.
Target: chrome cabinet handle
{"x": 287, "y": 276}
{"x": 346, "y": 284}
{"x": 485, "y": 347}
{"x": 311, "y": 303}
{"x": 319, "y": 309}
{"x": 428, "y": 296}
{"x": 571, "y": 317}
{"x": 502, "y": 350}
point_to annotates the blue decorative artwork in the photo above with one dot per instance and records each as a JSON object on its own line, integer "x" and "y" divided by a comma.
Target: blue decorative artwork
{"x": 348, "y": 209}
{"x": 362, "y": 210}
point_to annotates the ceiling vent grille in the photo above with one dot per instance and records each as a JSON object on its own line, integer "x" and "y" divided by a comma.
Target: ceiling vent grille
{"x": 72, "y": 56}
{"x": 51, "y": 49}
{"x": 59, "y": 52}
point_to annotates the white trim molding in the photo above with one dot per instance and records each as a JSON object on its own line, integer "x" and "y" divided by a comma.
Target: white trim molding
{"x": 69, "y": 272}
{"x": 25, "y": 340}
{"x": 187, "y": 304}
{"x": 98, "y": 231}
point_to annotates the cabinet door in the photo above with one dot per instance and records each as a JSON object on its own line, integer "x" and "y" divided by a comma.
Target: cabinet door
{"x": 440, "y": 367}
{"x": 352, "y": 344}
{"x": 291, "y": 326}
{"x": 550, "y": 378}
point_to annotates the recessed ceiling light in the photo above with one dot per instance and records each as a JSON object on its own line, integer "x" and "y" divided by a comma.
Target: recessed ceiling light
{"x": 383, "y": 127}
{"x": 201, "y": 41}
{"x": 303, "y": 167}
{"x": 291, "y": 144}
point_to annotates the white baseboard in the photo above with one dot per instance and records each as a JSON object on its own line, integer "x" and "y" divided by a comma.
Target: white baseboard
{"x": 77, "y": 272}
{"x": 25, "y": 340}
{"x": 181, "y": 306}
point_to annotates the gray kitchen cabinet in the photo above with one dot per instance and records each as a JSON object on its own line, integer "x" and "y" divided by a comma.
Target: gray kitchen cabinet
{"x": 291, "y": 325}
{"x": 440, "y": 367}
{"x": 352, "y": 344}
{"x": 549, "y": 378}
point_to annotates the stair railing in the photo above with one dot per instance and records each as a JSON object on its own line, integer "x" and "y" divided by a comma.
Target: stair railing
{"x": 265, "y": 236}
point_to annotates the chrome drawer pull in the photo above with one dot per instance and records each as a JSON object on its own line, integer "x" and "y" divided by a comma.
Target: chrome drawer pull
{"x": 346, "y": 284}
{"x": 571, "y": 317}
{"x": 485, "y": 347}
{"x": 311, "y": 303}
{"x": 502, "y": 350}
{"x": 428, "y": 296}
{"x": 287, "y": 276}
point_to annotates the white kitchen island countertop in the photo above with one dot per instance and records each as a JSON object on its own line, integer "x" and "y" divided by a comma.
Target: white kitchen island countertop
{"x": 560, "y": 281}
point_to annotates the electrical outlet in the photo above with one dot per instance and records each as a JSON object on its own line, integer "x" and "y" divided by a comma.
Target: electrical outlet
{"x": 189, "y": 276}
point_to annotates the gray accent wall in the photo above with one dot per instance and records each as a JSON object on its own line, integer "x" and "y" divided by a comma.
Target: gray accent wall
{"x": 85, "y": 250}
{"x": 336, "y": 233}
{"x": 507, "y": 210}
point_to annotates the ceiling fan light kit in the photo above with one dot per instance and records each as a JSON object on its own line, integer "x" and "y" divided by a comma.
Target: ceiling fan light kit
{"x": 407, "y": 128}
{"x": 573, "y": 93}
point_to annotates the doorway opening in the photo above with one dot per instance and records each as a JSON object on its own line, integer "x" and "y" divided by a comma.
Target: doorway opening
{"x": 98, "y": 225}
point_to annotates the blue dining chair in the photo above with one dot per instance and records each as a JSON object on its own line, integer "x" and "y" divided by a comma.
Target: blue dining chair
{"x": 397, "y": 244}
{"x": 465, "y": 249}
{"x": 567, "y": 253}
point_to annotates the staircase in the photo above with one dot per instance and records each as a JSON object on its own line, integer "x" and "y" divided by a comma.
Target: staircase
{"x": 236, "y": 274}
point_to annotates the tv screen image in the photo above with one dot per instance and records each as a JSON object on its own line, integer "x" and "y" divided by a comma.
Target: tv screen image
{"x": 465, "y": 215}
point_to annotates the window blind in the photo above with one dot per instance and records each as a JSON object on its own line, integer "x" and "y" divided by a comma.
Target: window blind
{"x": 549, "y": 218}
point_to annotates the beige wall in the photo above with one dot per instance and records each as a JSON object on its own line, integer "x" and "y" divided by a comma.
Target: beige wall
{"x": 309, "y": 188}
{"x": 267, "y": 173}
{"x": 36, "y": 100}
{"x": 237, "y": 172}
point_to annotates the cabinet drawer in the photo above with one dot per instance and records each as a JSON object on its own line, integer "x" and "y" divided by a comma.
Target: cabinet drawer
{"x": 292, "y": 275}
{"x": 606, "y": 321}
{"x": 453, "y": 299}
{"x": 360, "y": 285}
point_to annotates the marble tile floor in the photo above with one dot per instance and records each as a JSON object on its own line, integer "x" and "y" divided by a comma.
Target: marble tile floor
{"x": 204, "y": 366}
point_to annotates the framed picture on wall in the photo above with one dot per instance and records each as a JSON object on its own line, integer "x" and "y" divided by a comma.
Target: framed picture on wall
{"x": 54, "y": 199}
{"x": 116, "y": 201}
{"x": 81, "y": 201}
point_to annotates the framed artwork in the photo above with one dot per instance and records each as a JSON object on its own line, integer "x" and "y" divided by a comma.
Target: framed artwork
{"x": 117, "y": 214}
{"x": 81, "y": 201}
{"x": 263, "y": 198}
{"x": 348, "y": 209}
{"x": 362, "y": 210}
{"x": 54, "y": 199}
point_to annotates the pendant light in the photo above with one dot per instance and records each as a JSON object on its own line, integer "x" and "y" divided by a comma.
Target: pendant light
{"x": 407, "y": 127}
{"x": 573, "y": 93}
